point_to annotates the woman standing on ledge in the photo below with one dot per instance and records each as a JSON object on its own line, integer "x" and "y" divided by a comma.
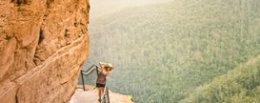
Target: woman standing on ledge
{"x": 106, "y": 68}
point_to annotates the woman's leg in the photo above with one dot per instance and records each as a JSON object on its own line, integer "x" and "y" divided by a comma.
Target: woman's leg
{"x": 99, "y": 94}
{"x": 102, "y": 91}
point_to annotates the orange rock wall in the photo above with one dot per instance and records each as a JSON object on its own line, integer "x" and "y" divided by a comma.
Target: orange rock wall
{"x": 43, "y": 44}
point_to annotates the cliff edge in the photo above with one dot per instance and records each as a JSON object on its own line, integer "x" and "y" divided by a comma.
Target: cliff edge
{"x": 43, "y": 44}
{"x": 90, "y": 96}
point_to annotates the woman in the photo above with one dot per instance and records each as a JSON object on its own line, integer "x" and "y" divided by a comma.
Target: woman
{"x": 106, "y": 68}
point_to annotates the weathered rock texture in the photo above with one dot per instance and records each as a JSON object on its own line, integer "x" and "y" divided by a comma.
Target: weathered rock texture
{"x": 43, "y": 44}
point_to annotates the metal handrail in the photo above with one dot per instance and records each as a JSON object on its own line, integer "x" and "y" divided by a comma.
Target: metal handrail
{"x": 88, "y": 71}
{"x": 105, "y": 97}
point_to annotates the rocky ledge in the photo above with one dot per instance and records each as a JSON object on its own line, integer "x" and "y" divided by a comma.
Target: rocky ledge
{"x": 90, "y": 96}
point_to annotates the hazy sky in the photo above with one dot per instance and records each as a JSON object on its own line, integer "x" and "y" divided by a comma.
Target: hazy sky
{"x": 103, "y": 7}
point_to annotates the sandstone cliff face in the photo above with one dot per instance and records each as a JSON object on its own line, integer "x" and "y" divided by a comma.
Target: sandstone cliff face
{"x": 43, "y": 44}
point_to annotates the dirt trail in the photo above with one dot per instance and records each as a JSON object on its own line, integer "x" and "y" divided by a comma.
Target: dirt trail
{"x": 90, "y": 96}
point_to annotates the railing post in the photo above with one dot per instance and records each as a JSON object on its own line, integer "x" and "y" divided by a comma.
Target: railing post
{"x": 107, "y": 92}
{"x": 82, "y": 78}
{"x": 97, "y": 70}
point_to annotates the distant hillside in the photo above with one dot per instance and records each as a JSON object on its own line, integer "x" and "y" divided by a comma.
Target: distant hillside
{"x": 241, "y": 85}
{"x": 163, "y": 52}
{"x": 102, "y": 8}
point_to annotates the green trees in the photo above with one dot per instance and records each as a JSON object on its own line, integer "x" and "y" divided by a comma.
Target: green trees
{"x": 164, "y": 52}
{"x": 240, "y": 85}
